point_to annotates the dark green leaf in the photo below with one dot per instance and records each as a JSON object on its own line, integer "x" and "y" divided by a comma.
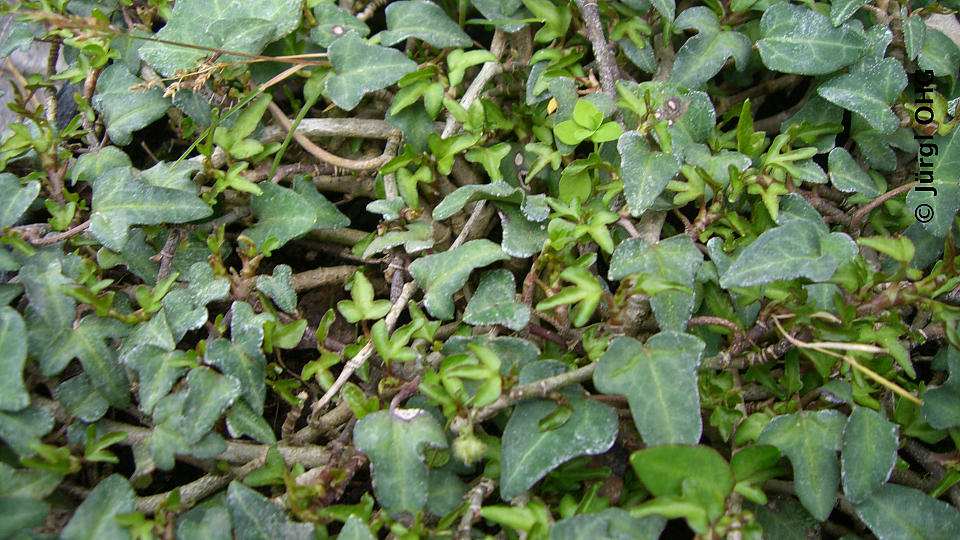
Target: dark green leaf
{"x": 254, "y": 517}
{"x": 13, "y": 354}
{"x": 208, "y": 396}
{"x": 333, "y": 22}
{"x": 901, "y": 513}
{"x": 279, "y": 288}
{"x": 360, "y": 68}
{"x": 423, "y": 20}
{"x": 125, "y": 110}
{"x": 494, "y": 303}
{"x": 797, "y": 39}
{"x": 16, "y": 198}
{"x": 645, "y": 172}
{"x": 94, "y": 518}
{"x": 443, "y": 274}
{"x": 869, "y": 453}
{"x": 869, "y": 93}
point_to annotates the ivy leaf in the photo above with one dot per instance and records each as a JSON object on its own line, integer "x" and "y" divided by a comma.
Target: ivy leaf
{"x": 914, "y": 35}
{"x": 659, "y": 380}
{"x": 422, "y": 20}
{"x": 254, "y": 517}
{"x": 869, "y": 453}
{"x": 16, "y": 198}
{"x": 360, "y": 68}
{"x": 20, "y": 513}
{"x": 645, "y": 172}
{"x": 611, "y": 524}
{"x": 49, "y": 316}
{"x": 811, "y": 441}
{"x": 462, "y": 196}
{"x": 81, "y": 399}
{"x": 205, "y": 286}
{"x": 443, "y": 274}
{"x": 94, "y": 518}
{"x": 100, "y": 361}
{"x": 522, "y": 237}
{"x": 125, "y": 110}
{"x": 904, "y": 513}
{"x": 792, "y": 250}
{"x": 841, "y": 10}
{"x": 246, "y": 366}
{"x": 529, "y": 453}
{"x": 167, "y": 440}
{"x": 209, "y": 520}
{"x": 363, "y": 306}
{"x": 494, "y": 303}
{"x": 585, "y": 289}
{"x": 939, "y": 54}
{"x": 279, "y": 288}
{"x": 237, "y": 25}
{"x": 417, "y": 237}
{"x": 157, "y": 371}
{"x": 22, "y": 430}
{"x": 939, "y": 210}
{"x": 847, "y": 176}
{"x": 242, "y": 420}
{"x": 120, "y": 201}
{"x": 393, "y": 440}
{"x": 208, "y": 396}
{"x": 796, "y": 39}
{"x": 941, "y": 405}
{"x": 285, "y": 214}
{"x": 665, "y": 470}
{"x": 667, "y": 8}
{"x": 333, "y": 22}
{"x": 869, "y": 93}
{"x": 13, "y": 354}
{"x": 702, "y": 56}
{"x": 675, "y": 259}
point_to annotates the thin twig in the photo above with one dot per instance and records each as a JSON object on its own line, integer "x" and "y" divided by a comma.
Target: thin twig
{"x": 46, "y": 241}
{"x": 318, "y": 277}
{"x": 601, "y": 47}
{"x": 320, "y": 153}
{"x": 540, "y": 388}
{"x": 475, "y": 498}
{"x": 166, "y": 254}
{"x": 865, "y": 210}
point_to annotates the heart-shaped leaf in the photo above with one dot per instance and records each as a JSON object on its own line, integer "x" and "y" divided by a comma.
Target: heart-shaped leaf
{"x": 529, "y": 453}
{"x": 645, "y": 172}
{"x": 360, "y": 68}
{"x": 443, "y": 274}
{"x": 285, "y": 214}
{"x": 208, "y": 396}
{"x": 811, "y": 441}
{"x": 125, "y": 110}
{"x": 659, "y": 380}
{"x": 494, "y": 302}
{"x": 393, "y": 440}
{"x": 279, "y": 288}
{"x": 157, "y": 371}
{"x": 612, "y": 524}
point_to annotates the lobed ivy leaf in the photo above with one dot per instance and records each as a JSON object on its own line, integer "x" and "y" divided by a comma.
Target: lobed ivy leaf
{"x": 81, "y": 399}
{"x": 645, "y": 172}
{"x": 393, "y": 440}
{"x": 242, "y": 420}
{"x": 659, "y": 380}
{"x": 285, "y": 214}
{"x": 362, "y": 306}
{"x": 355, "y": 529}
{"x": 246, "y": 364}
{"x": 869, "y": 453}
{"x": 529, "y": 453}
{"x": 796, "y": 39}
{"x": 334, "y": 22}
{"x": 796, "y": 248}
{"x": 279, "y": 287}
{"x": 702, "y": 56}
{"x": 939, "y": 54}
{"x": 120, "y": 201}
{"x": 208, "y": 396}
{"x": 255, "y": 517}
{"x": 417, "y": 237}
{"x": 360, "y": 68}
{"x": 443, "y": 274}
{"x": 99, "y": 360}
{"x": 494, "y": 302}
{"x": 13, "y": 355}
{"x": 869, "y": 93}
{"x": 237, "y": 25}
{"x": 422, "y": 20}
{"x": 811, "y": 441}
{"x": 157, "y": 370}
{"x": 125, "y": 110}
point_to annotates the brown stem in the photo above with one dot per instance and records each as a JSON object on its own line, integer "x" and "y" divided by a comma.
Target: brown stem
{"x": 541, "y": 388}
{"x": 865, "y": 210}
{"x": 601, "y": 47}
{"x": 46, "y": 241}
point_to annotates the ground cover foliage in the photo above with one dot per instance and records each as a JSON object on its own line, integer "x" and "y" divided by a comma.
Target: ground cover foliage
{"x": 520, "y": 269}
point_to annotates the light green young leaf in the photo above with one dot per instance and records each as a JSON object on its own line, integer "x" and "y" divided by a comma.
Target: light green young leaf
{"x": 209, "y": 394}
{"x": 494, "y": 302}
{"x": 15, "y": 198}
{"x": 279, "y": 288}
{"x": 236, "y": 25}
{"x": 442, "y": 274}
{"x": 811, "y": 441}
{"x": 422, "y": 20}
{"x": 847, "y": 176}
{"x": 13, "y": 354}
{"x": 254, "y": 517}
{"x": 902, "y": 513}
{"x": 529, "y": 453}
{"x": 796, "y": 39}
{"x": 665, "y": 469}
{"x": 120, "y": 201}
{"x": 94, "y": 518}
{"x": 645, "y": 172}
{"x": 869, "y": 453}
{"x": 659, "y": 380}
{"x": 363, "y": 306}
{"x": 125, "y": 110}
{"x": 869, "y": 93}
{"x": 360, "y": 68}
{"x": 393, "y": 440}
